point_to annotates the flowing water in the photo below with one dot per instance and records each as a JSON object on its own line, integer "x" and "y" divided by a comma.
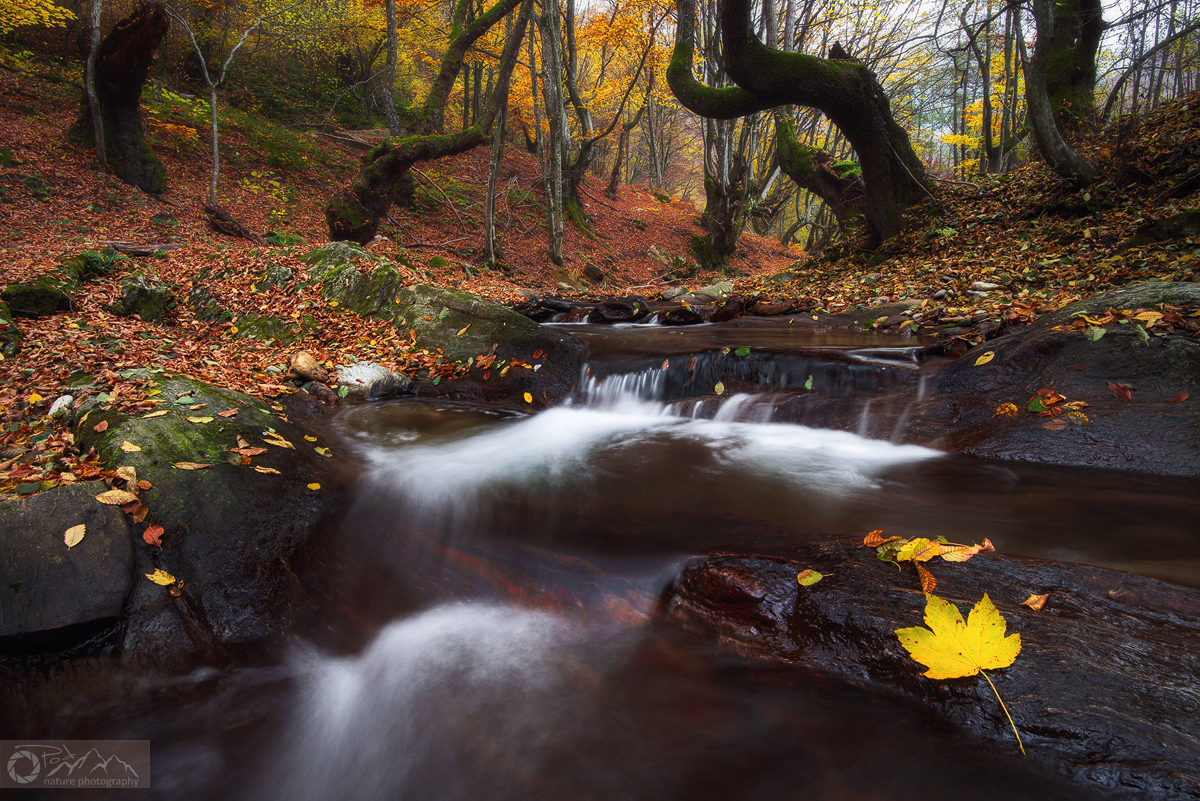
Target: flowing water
{"x": 491, "y": 633}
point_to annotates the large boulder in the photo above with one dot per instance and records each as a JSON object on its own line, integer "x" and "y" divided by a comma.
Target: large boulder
{"x": 50, "y": 594}
{"x": 464, "y": 328}
{"x": 1153, "y": 430}
{"x": 1103, "y": 690}
{"x": 144, "y": 295}
{"x": 52, "y": 292}
{"x": 236, "y": 530}
{"x": 371, "y": 381}
{"x": 335, "y": 254}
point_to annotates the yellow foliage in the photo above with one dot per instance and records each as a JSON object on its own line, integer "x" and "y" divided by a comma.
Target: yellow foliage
{"x": 22, "y": 13}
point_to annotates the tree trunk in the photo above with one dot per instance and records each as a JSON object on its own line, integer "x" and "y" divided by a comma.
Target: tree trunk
{"x": 811, "y": 169}
{"x": 548, "y": 25}
{"x": 1054, "y": 148}
{"x": 123, "y": 63}
{"x": 845, "y": 90}
{"x": 354, "y": 213}
{"x": 389, "y": 71}
{"x": 1071, "y": 68}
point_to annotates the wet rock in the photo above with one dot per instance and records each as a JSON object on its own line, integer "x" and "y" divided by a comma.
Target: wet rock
{"x": 303, "y": 367}
{"x": 682, "y": 315}
{"x": 10, "y": 334}
{"x": 660, "y": 256}
{"x": 619, "y": 310}
{"x": 541, "y": 309}
{"x": 734, "y": 307}
{"x": 369, "y": 295}
{"x": 959, "y": 413}
{"x": 40, "y": 299}
{"x": 145, "y": 296}
{"x": 466, "y": 327}
{"x": 718, "y": 290}
{"x": 236, "y": 537}
{"x": 783, "y": 277}
{"x": 266, "y": 327}
{"x": 370, "y": 381}
{"x": 673, "y": 292}
{"x": 61, "y": 406}
{"x": 1178, "y": 226}
{"x": 984, "y": 286}
{"x": 50, "y": 590}
{"x": 594, "y": 274}
{"x": 276, "y": 276}
{"x": 1072, "y": 692}
{"x": 764, "y": 309}
{"x": 204, "y": 306}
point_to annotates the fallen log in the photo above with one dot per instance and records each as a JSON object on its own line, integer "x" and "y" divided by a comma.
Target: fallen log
{"x": 1104, "y": 690}
{"x": 132, "y": 249}
{"x": 225, "y": 223}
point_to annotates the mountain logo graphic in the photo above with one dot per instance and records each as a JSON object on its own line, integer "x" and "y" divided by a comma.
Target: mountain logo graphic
{"x": 24, "y": 767}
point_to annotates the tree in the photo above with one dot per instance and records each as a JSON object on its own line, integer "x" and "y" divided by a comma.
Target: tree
{"x": 354, "y": 213}
{"x": 123, "y": 63}
{"x": 845, "y": 90}
{"x": 20, "y": 13}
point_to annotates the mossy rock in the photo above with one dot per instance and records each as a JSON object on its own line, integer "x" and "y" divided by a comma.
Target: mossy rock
{"x": 204, "y": 306}
{"x": 371, "y": 295}
{"x": 265, "y": 327}
{"x": 463, "y": 326}
{"x": 321, "y": 260}
{"x": 276, "y": 276}
{"x": 10, "y": 334}
{"x": 233, "y": 533}
{"x": 144, "y": 295}
{"x": 40, "y": 299}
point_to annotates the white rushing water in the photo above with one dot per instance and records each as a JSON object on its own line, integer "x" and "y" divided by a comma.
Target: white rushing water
{"x": 461, "y": 702}
{"x": 573, "y": 446}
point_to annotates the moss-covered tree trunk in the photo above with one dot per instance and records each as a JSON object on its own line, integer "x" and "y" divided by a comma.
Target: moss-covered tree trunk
{"x": 843, "y": 89}
{"x": 122, "y": 66}
{"x": 354, "y": 213}
{"x": 812, "y": 169}
{"x": 1071, "y": 71}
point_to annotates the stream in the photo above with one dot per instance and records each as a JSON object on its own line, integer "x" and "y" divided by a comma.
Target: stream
{"x": 489, "y": 627}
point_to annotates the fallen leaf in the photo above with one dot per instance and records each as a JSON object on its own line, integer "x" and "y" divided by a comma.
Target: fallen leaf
{"x": 985, "y": 358}
{"x": 528, "y": 398}
{"x": 987, "y": 546}
{"x": 959, "y": 553}
{"x": 199, "y": 419}
{"x": 116, "y": 497}
{"x": 1078, "y": 418}
{"x": 322, "y": 451}
{"x": 1057, "y": 424}
{"x": 249, "y": 451}
{"x": 129, "y": 447}
{"x": 463, "y": 330}
{"x": 919, "y": 549}
{"x": 227, "y": 413}
{"x": 100, "y": 427}
{"x": 952, "y": 649}
{"x": 1073, "y": 405}
{"x": 137, "y": 511}
{"x": 127, "y": 473}
{"x": 1120, "y": 391}
{"x": 278, "y": 442}
{"x": 269, "y": 470}
{"x": 1094, "y": 333}
{"x": 74, "y": 535}
{"x": 1007, "y": 410}
{"x": 719, "y": 388}
{"x": 928, "y": 582}
{"x": 34, "y": 398}
{"x": 807, "y": 578}
{"x": 161, "y": 577}
{"x": 310, "y": 438}
{"x": 191, "y": 465}
{"x": 154, "y": 414}
{"x": 666, "y": 363}
{"x": 314, "y": 486}
{"x": 196, "y": 406}
{"x": 1035, "y": 602}
{"x": 145, "y": 485}
{"x": 874, "y": 539}
{"x": 1180, "y": 398}
{"x": 153, "y": 535}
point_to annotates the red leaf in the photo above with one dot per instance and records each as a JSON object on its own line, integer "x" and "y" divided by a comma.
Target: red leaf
{"x": 153, "y": 535}
{"x": 1180, "y": 398}
{"x": 1120, "y": 391}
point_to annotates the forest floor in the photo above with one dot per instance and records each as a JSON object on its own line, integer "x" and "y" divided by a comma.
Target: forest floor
{"x": 1042, "y": 243}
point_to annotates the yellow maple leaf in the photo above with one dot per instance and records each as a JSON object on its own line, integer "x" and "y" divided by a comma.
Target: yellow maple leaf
{"x": 952, "y": 649}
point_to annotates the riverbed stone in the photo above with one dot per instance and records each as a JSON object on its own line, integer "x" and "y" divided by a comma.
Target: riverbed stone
{"x": 53, "y": 591}
{"x": 235, "y": 534}
{"x": 619, "y": 310}
{"x": 371, "y": 381}
{"x": 1148, "y": 433}
{"x": 464, "y": 327}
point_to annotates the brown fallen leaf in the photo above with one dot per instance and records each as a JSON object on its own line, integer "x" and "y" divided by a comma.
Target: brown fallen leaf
{"x": 143, "y": 484}
{"x": 959, "y": 553}
{"x": 137, "y": 511}
{"x": 1120, "y": 391}
{"x": 117, "y": 498}
{"x": 1056, "y": 424}
{"x": 191, "y": 465}
{"x": 196, "y": 406}
{"x": 1180, "y": 398}
{"x": 227, "y": 413}
{"x": 100, "y": 427}
{"x": 153, "y": 535}
{"x": 1035, "y": 602}
{"x": 127, "y": 473}
{"x": 279, "y": 442}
